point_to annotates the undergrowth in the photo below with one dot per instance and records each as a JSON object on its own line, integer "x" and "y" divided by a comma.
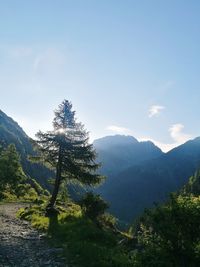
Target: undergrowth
{"x": 83, "y": 241}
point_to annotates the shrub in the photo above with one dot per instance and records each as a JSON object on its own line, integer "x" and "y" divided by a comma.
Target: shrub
{"x": 93, "y": 205}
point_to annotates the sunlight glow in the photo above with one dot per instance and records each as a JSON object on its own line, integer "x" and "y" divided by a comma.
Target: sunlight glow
{"x": 61, "y": 131}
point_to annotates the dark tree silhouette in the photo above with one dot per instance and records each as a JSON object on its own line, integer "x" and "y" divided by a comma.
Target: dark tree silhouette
{"x": 67, "y": 149}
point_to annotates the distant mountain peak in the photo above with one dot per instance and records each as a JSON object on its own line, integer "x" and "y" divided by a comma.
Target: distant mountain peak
{"x": 112, "y": 140}
{"x": 118, "y": 152}
{"x": 140, "y": 185}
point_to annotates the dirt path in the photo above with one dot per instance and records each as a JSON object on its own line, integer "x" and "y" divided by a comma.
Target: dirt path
{"x": 21, "y": 245}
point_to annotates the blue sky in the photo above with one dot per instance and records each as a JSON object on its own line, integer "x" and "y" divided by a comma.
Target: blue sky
{"x": 129, "y": 67}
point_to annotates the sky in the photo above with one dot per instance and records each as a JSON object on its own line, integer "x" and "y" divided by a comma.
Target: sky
{"x": 128, "y": 66}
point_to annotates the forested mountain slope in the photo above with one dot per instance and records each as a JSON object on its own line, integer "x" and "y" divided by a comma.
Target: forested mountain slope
{"x": 11, "y": 132}
{"x": 139, "y": 186}
{"x": 138, "y": 173}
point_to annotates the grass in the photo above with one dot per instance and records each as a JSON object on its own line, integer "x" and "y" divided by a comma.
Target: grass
{"x": 84, "y": 243}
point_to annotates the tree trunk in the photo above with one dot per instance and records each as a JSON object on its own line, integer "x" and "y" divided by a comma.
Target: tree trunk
{"x": 57, "y": 183}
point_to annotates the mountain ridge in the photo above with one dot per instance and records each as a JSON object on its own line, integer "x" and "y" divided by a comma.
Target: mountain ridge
{"x": 118, "y": 152}
{"x": 139, "y": 186}
{"x": 12, "y": 132}
{"x": 139, "y": 173}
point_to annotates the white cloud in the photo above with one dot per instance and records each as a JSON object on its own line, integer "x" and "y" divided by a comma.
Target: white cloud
{"x": 176, "y": 133}
{"x": 165, "y": 147}
{"x": 118, "y": 129}
{"x": 155, "y": 110}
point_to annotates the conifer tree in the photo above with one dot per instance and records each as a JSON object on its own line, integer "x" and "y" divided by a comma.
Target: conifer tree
{"x": 11, "y": 172}
{"x": 66, "y": 148}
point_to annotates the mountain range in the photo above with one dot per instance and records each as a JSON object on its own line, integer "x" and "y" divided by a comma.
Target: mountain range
{"x": 138, "y": 173}
{"x": 146, "y": 176}
{"x": 117, "y": 153}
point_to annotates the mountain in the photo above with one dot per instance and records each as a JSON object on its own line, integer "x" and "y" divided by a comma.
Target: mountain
{"x": 139, "y": 186}
{"x": 117, "y": 153}
{"x": 139, "y": 173}
{"x": 11, "y": 132}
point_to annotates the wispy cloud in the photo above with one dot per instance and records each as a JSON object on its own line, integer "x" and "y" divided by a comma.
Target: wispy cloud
{"x": 50, "y": 60}
{"x": 118, "y": 129}
{"x": 177, "y": 135}
{"x": 176, "y": 132}
{"x": 155, "y": 110}
{"x": 165, "y": 147}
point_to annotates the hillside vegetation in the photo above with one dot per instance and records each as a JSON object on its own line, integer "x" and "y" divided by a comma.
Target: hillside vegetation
{"x": 12, "y": 133}
{"x": 167, "y": 235}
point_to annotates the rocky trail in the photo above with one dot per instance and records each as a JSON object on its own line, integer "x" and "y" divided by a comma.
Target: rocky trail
{"x": 21, "y": 245}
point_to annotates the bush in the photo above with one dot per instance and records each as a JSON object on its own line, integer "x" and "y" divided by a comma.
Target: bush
{"x": 169, "y": 234}
{"x": 93, "y": 205}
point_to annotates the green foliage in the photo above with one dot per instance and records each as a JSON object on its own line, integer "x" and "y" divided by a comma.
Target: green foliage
{"x": 14, "y": 184}
{"x": 169, "y": 235}
{"x": 107, "y": 220}
{"x": 11, "y": 173}
{"x": 68, "y": 145}
{"x": 67, "y": 149}
{"x": 37, "y": 187}
{"x": 63, "y": 196}
{"x": 35, "y": 214}
{"x": 193, "y": 185}
{"x": 22, "y": 192}
{"x": 93, "y": 205}
{"x": 26, "y": 192}
{"x": 84, "y": 243}
{"x": 12, "y": 133}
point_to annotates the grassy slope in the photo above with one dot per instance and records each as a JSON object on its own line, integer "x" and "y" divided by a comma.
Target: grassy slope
{"x": 84, "y": 243}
